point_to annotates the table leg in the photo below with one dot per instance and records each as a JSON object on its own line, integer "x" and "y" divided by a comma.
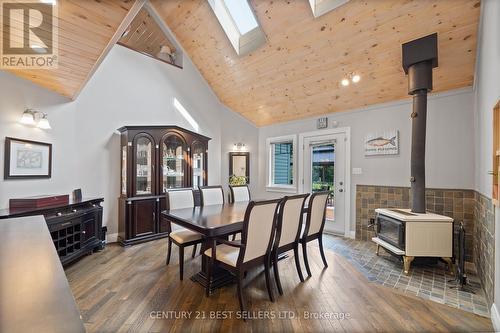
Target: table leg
{"x": 220, "y": 276}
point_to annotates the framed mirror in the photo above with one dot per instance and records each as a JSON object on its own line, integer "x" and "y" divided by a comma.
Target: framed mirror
{"x": 239, "y": 165}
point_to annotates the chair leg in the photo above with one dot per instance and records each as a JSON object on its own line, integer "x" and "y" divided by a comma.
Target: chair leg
{"x": 320, "y": 241}
{"x": 297, "y": 262}
{"x": 276, "y": 273}
{"x": 169, "y": 249}
{"x": 304, "y": 252}
{"x": 194, "y": 250}
{"x": 234, "y": 237}
{"x": 267, "y": 268}
{"x": 239, "y": 278}
{"x": 181, "y": 262}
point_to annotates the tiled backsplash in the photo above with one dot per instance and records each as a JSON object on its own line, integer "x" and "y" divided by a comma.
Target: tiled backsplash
{"x": 475, "y": 210}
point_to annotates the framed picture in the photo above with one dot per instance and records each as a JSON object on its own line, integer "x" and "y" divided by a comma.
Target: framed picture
{"x": 382, "y": 143}
{"x": 239, "y": 165}
{"x": 26, "y": 159}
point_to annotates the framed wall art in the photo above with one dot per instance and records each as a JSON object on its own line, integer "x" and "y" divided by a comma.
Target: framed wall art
{"x": 25, "y": 159}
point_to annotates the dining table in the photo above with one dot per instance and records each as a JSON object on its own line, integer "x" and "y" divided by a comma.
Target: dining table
{"x": 211, "y": 221}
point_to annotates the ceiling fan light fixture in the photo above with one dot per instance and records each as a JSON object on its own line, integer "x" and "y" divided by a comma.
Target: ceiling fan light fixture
{"x": 344, "y": 82}
{"x": 356, "y": 78}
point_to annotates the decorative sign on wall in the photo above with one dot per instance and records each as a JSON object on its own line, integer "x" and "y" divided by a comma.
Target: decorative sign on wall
{"x": 382, "y": 143}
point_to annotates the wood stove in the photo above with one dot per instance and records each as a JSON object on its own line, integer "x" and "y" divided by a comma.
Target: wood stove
{"x": 417, "y": 233}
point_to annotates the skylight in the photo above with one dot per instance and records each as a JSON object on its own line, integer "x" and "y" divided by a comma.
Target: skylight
{"x": 242, "y": 15}
{"x": 320, "y": 7}
{"x": 239, "y": 23}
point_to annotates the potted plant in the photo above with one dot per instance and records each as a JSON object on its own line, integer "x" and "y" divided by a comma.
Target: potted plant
{"x": 237, "y": 180}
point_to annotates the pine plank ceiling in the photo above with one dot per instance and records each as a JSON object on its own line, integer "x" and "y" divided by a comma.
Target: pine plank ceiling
{"x": 86, "y": 31}
{"x": 297, "y": 73}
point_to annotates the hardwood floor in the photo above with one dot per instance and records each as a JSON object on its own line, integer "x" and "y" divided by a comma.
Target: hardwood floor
{"x": 131, "y": 290}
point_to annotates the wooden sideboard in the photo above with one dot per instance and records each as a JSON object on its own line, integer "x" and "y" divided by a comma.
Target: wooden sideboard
{"x": 75, "y": 228}
{"x": 35, "y": 296}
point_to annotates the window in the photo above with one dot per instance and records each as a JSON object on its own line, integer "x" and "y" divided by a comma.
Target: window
{"x": 282, "y": 164}
{"x": 239, "y": 23}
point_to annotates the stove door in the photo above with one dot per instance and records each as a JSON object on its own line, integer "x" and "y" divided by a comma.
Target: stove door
{"x": 391, "y": 230}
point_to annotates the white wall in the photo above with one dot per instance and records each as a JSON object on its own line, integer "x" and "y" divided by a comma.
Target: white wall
{"x": 236, "y": 129}
{"x": 127, "y": 89}
{"x": 487, "y": 94}
{"x": 450, "y": 143}
{"x": 16, "y": 95}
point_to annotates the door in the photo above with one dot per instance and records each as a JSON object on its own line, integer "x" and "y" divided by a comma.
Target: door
{"x": 173, "y": 162}
{"x": 143, "y": 217}
{"x": 324, "y": 170}
{"x": 144, "y": 160}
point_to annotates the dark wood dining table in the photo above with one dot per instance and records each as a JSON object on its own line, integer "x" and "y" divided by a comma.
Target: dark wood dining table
{"x": 212, "y": 221}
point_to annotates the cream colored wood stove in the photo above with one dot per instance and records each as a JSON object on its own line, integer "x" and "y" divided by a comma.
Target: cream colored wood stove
{"x": 425, "y": 235}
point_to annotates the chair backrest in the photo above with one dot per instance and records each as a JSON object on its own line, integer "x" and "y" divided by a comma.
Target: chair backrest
{"x": 258, "y": 229}
{"x": 180, "y": 198}
{"x": 239, "y": 193}
{"x": 289, "y": 222}
{"x": 316, "y": 213}
{"x": 211, "y": 195}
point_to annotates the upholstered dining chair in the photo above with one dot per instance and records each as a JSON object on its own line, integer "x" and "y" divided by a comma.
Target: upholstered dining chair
{"x": 288, "y": 230}
{"x": 257, "y": 236}
{"x": 182, "y": 237}
{"x": 315, "y": 223}
{"x": 211, "y": 195}
{"x": 239, "y": 193}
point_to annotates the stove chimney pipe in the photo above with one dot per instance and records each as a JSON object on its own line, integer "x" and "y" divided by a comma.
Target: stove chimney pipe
{"x": 419, "y": 58}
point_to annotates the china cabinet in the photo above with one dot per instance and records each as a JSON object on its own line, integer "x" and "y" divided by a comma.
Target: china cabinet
{"x": 153, "y": 160}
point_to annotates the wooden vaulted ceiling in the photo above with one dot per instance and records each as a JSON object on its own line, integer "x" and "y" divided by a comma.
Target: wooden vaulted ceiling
{"x": 86, "y": 31}
{"x": 296, "y": 74}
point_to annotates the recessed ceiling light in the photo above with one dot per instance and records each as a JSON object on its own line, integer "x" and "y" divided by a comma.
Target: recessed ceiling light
{"x": 345, "y": 82}
{"x": 356, "y": 78}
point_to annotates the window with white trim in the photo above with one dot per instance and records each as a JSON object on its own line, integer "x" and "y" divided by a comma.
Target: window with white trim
{"x": 282, "y": 164}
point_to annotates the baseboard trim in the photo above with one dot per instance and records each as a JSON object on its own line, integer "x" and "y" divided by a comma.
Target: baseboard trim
{"x": 112, "y": 238}
{"x": 495, "y": 318}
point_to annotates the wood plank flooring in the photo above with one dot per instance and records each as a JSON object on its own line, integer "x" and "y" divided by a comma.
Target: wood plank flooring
{"x": 131, "y": 290}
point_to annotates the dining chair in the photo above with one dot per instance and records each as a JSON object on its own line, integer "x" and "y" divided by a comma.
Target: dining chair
{"x": 182, "y": 237}
{"x": 211, "y": 195}
{"x": 239, "y": 193}
{"x": 254, "y": 249}
{"x": 315, "y": 223}
{"x": 288, "y": 230}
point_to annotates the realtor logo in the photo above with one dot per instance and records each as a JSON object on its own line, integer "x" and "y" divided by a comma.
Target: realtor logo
{"x": 29, "y": 34}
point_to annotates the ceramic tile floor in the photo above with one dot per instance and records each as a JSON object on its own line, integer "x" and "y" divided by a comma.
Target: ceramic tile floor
{"x": 426, "y": 281}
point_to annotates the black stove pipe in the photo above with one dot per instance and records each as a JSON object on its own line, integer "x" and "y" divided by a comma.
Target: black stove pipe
{"x": 419, "y": 58}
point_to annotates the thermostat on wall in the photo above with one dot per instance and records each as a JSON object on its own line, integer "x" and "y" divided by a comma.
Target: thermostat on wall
{"x": 322, "y": 123}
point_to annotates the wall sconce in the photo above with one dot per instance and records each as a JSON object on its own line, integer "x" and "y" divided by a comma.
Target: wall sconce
{"x": 35, "y": 118}
{"x": 239, "y": 146}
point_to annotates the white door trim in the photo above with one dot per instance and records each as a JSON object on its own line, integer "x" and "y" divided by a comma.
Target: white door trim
{"x": 347, "y": 201}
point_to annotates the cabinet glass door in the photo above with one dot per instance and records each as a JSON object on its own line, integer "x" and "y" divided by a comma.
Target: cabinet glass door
{"x": 173, "y": 162}
{"x": 198, "y": 163}
{"x": 144, "y": 166}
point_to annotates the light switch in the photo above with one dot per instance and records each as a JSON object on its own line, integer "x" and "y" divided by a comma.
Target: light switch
{"x": 357, "y": 171}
